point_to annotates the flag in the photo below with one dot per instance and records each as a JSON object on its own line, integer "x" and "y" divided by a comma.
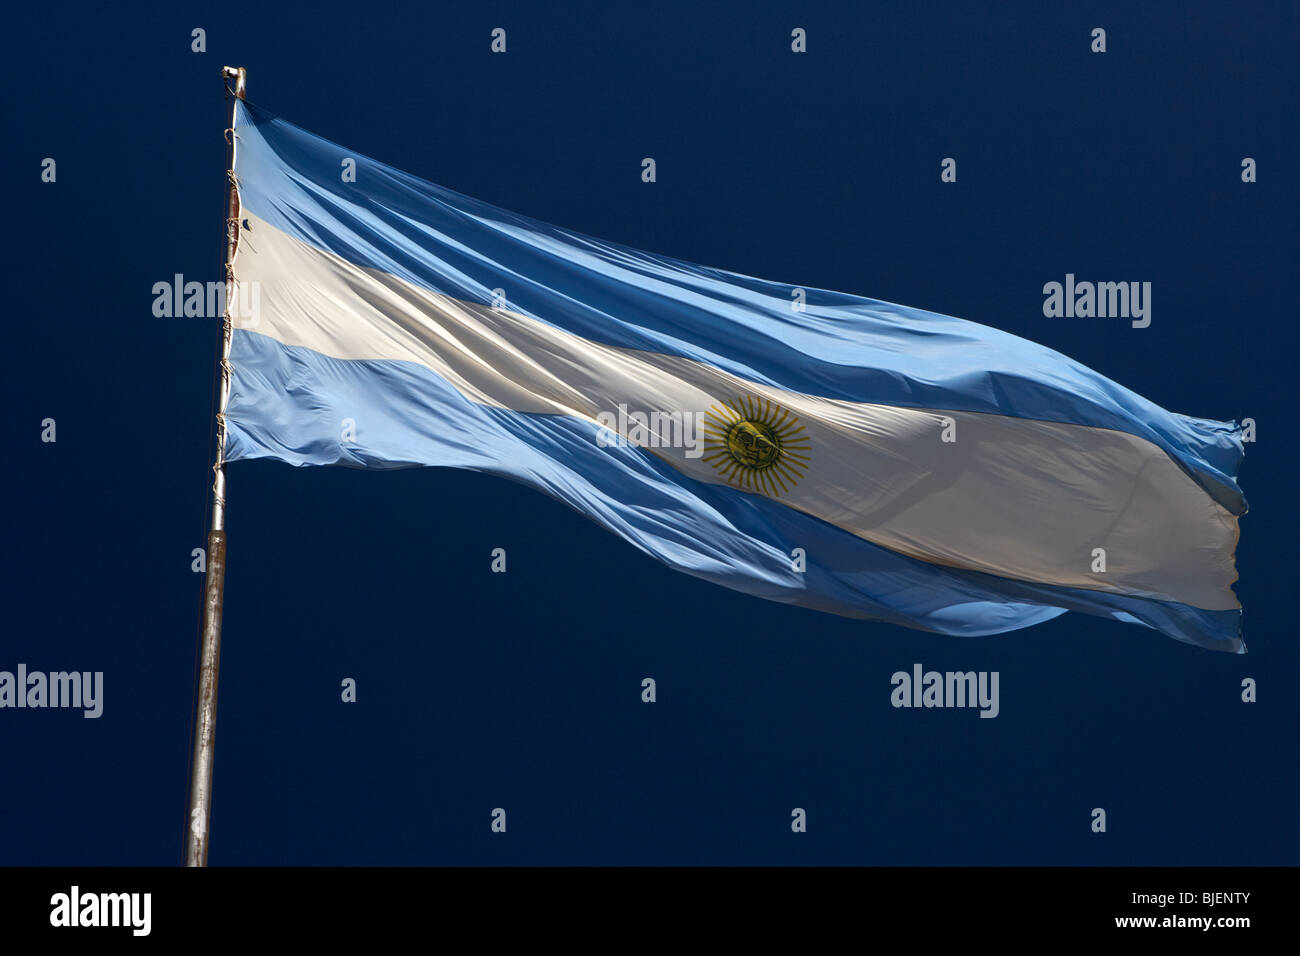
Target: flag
{"x": 801, "y": 445}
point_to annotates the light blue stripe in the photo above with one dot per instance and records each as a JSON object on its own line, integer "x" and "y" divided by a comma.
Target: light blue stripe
{"x": 289, "y": 403}
{"x": 841, "y": 346}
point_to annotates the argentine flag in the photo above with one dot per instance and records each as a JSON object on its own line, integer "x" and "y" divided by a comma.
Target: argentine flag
{"x": 830, "y": 451}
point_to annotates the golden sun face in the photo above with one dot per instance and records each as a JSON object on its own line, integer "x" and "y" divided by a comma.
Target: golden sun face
{"x": 756, "y": 445}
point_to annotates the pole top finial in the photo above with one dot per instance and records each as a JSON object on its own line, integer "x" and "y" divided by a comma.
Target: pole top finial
{"x": 239, "y": 75}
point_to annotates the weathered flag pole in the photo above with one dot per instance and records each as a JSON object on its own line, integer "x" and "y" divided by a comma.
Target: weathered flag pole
{"x": 205, "y": 718}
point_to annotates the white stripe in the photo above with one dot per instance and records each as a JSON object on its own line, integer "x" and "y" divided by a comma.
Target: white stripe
{"x": 1013, "y": 497}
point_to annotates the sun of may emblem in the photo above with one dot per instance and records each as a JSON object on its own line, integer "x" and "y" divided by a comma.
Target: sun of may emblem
{"x": 756, "y": 445}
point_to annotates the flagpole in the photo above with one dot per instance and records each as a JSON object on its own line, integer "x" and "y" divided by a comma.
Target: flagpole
{"x": 205, "y": 719}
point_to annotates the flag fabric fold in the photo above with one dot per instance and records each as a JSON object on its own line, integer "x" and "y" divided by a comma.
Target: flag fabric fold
{"x": 801, "y": 445}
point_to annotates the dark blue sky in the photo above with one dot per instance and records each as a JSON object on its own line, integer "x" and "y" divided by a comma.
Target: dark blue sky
{"x": 522, "y": 690}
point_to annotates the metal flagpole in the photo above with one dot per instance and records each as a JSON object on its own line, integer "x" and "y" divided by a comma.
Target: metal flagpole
{"x": 205, "y": 720}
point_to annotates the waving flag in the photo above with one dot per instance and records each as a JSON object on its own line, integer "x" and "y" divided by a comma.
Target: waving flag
{"x": 804, "y": 446}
